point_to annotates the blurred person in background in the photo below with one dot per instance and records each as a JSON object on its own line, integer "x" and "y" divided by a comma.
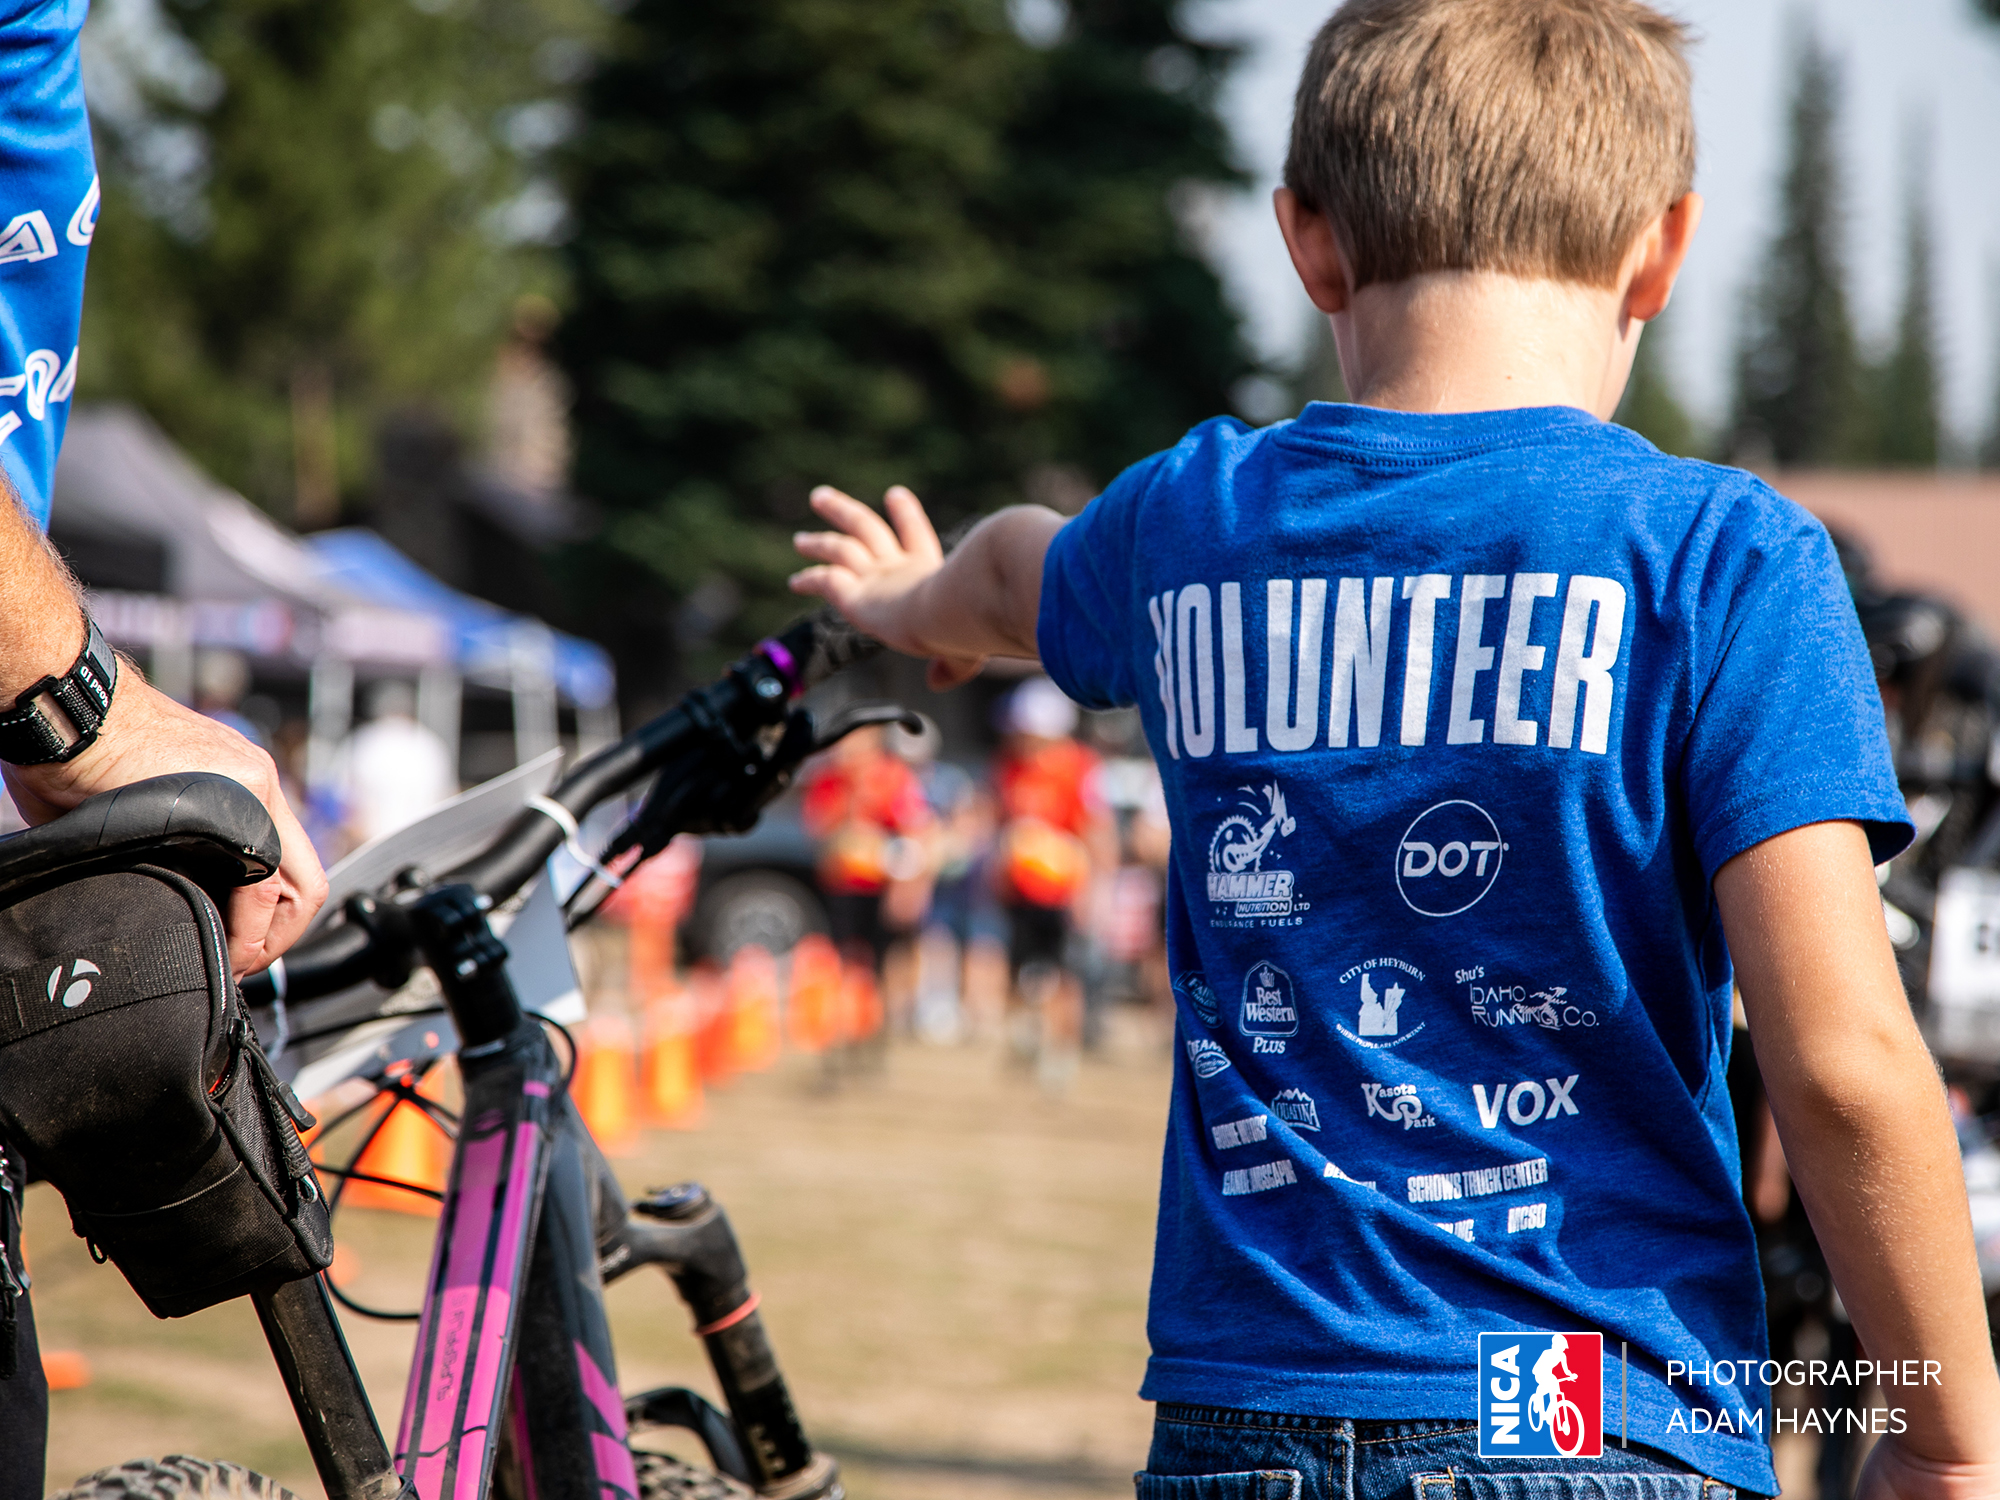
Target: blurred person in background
{"x": 221, "y": 678}
{"x": 866, "y": 809}
{"x": 1127, "y": 903}
{"x": 392, "y": 770}
{"x": 1053, "y": 832}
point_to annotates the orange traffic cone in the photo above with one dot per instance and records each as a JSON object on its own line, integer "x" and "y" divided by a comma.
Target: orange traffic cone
{"x": 408, "y": 1148}
{"x": 606, "y": 1083}
{"x": 670, "y": 1083}
{"x": 815, "y": 998}
{"x": 752, "y": 1011}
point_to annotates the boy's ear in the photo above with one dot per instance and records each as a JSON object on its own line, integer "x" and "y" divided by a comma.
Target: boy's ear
{"x": 1316, "y": 253}
{"x": 1660, "y": 252}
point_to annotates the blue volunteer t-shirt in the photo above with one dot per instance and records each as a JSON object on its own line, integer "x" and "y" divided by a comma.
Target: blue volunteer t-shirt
{"x": 48, "y": 212}
{"x": 1458, "y": 716}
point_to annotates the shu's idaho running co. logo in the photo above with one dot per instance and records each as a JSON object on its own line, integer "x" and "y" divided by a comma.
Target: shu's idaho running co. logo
{"x": 1541, "y": 1395}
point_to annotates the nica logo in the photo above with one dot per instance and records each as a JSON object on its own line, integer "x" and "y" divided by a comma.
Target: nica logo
{"x": 1541, "y": 1395}
{"x": 1449, "y": 859}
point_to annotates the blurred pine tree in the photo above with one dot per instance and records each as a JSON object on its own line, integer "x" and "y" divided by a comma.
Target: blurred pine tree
{"x": 313, "y": 213}
{"x": 865, "y": 242}
{"x": 1797, "y": 373}
{"x": 1903, "y": 388}
{"x": 1317, "y": 376}
{"x": 1650, "y": 406}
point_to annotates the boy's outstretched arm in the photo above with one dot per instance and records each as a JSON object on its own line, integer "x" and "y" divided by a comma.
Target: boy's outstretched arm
{"x": 1868, "y": 1136}
{"x": 898, "y": 586}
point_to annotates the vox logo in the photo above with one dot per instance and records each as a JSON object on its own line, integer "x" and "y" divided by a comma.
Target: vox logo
{"x": 1526, "y": 1102}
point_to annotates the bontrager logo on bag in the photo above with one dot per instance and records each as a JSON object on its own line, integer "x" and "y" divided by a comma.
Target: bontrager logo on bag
{"x": 79, "y": 987}
{"x": 1541, "y": 1395}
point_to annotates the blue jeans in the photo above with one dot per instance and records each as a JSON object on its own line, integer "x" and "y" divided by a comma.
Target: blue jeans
{"x": 1213, "y": 1453}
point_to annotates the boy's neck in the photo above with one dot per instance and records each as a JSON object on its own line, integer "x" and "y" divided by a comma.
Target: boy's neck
{"x": 1460, "y": 341}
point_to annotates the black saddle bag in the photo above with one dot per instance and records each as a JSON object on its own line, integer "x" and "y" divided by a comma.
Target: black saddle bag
{"x": 131, "y": 1079}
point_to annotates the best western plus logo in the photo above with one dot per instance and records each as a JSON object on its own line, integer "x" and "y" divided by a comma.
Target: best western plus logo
{"x": 1541, "y": 1395}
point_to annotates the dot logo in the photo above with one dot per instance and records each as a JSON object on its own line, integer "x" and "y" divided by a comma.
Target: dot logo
{"x": 79, "y": 982}
{"x": 1448, "y": 859}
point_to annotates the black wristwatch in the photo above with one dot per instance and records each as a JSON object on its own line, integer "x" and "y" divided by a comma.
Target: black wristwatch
{"x": 30, "y": 736}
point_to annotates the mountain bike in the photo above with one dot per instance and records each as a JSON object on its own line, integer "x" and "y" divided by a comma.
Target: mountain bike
{"x": 513, "y": 1384}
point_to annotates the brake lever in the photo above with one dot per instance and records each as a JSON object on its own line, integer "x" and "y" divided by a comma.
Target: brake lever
{"x": 865, "y": 716}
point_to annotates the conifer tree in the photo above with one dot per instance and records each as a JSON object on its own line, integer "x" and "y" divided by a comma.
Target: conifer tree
{"x": 1904, "y": 387}
{"x": 1318, "y": 376}
{"x": 1650, "y": 406}
{"x": 316, "y": 213}
{"x": 867, "y": 242}
{"x": 1797, "y": 372}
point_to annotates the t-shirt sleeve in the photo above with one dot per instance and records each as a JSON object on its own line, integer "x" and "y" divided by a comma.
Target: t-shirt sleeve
{"x": 1083, "y": 628}
{"x": 1788, "y": 729}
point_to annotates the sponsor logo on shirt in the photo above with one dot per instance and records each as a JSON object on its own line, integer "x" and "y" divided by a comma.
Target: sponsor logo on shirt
{"x": 1270, "y": 1009}
{"x": 1396, "y": 1102}
{"x": 1449, "y": 858}
{"x": 1480, "y": 1182}
{"x": 1194, "y": 985}
{"x": 1527, "y": 1216}
{"x": 1457, "y": 1228}
{"x": 1239, "y": 886}
{"x": 1339, "y": 1176}
{"x": 1207, "y": 1058}
{"x": 1503, "y": 1005}
{"x": 1525, "y": 1102}
{"x": 1541, "y": 1395}
{"x": 1296, "y": 1108}
{"x": 1380, "y": 1001}
{"x": 1258, "y": 1179}
{"x": 1245, "y": 1132}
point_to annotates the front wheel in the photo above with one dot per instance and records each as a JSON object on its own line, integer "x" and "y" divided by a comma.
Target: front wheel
{"x": 175, "y": 1477}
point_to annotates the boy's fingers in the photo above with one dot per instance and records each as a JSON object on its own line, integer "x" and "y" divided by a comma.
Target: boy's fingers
{"x": 913, "y": 524}
{"x": 836, "y": 548}
{"x": 831, "y": 584}
{"x": 949, "y": 671}
{"x": 856, "y": 519}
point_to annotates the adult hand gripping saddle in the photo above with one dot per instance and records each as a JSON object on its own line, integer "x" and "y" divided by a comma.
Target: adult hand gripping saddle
{"x": 129, "y": 1074}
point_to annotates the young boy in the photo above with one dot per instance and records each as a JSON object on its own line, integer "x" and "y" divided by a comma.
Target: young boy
{"x": 1481, "y": 724}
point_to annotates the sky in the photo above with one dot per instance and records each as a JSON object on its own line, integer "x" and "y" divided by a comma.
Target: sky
{"x": 1922, "y": 68}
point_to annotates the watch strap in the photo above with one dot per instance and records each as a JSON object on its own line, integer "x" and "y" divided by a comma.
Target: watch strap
{"x": 82, "y": 695}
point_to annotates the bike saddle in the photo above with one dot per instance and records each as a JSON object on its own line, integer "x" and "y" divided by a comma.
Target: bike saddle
{"x": 211, "y": 829}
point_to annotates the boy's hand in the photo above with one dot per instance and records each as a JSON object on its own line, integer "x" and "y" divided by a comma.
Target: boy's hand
{"x": 896, "y": 584}
{"x": 1894, "y": 1473}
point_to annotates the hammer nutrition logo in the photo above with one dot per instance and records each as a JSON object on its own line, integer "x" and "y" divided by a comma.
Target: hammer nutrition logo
{"x": 1541, "y": 1395}
{"x": 1270, "y": 1008}
{"x": 1448, "y": 859}
{"x": 1237, "y": 880}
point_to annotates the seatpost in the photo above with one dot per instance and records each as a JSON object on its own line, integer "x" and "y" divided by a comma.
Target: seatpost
{"x": 332, "y": 1405}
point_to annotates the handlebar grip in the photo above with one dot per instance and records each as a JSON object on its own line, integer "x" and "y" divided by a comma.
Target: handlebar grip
{"x": 818, "y": 646}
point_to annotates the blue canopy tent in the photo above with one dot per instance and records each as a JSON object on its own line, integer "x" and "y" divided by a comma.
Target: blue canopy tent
{"x": 490, "y": 646}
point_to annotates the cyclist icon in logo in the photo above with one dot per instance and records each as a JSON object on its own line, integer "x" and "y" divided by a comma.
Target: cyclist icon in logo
{"x": 1548, "y": 1407}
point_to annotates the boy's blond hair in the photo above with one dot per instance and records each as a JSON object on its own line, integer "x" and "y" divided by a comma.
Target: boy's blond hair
{"x": 1531, "y": 137}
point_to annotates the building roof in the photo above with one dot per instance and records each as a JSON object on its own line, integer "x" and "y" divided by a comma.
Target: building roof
{"x": 1937, "y": 533}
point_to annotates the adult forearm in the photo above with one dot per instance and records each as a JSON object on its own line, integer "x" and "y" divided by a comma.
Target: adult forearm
{"x": 986, "y": 597}
{"x": 41, "y": 619}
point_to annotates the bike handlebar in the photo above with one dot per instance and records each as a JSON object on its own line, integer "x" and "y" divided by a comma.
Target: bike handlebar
{"x": 754, "y": 694}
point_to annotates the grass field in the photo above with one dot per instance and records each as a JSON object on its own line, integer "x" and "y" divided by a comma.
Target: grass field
{"x": 953, "y": 1269}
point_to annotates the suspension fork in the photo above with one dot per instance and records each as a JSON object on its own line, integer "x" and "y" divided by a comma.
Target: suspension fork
{"x": 686, "y": 1233}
